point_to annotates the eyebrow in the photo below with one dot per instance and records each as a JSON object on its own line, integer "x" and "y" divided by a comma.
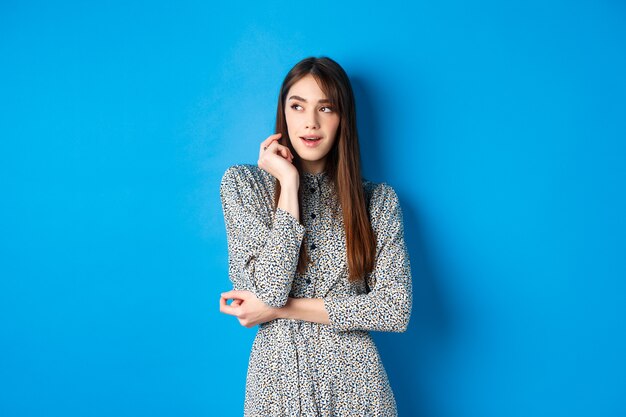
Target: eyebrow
{"x": 324, "y": 100}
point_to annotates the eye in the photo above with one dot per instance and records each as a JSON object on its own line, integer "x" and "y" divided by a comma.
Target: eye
{"x": 327, "y": 109}
{"x": 296, "y": 106}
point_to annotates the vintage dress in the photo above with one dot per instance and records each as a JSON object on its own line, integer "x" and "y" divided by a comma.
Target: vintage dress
{"x": 299, "y": 368}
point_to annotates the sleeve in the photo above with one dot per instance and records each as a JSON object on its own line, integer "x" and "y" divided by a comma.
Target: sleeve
{"x": 387, "y": 306}
{"x": 263, "y": 247}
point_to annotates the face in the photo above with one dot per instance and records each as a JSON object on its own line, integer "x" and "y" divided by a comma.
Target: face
{"x": 312, "y": 123}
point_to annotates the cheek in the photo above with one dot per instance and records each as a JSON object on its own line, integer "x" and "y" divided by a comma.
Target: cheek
{"x": 292, "y": 122}
{"x": 291, "y": 131}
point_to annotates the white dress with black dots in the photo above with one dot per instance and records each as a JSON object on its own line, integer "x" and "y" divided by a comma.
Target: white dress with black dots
{"x": 300, "y": 368}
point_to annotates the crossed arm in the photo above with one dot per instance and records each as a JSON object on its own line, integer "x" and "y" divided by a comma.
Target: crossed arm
{"x": 263, "y": 249}
{"x": 251, "y": 311}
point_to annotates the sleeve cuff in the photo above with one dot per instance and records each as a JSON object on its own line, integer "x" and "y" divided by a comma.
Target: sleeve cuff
{"x": 332, "y": 305}
{"x": 285, "y": 220}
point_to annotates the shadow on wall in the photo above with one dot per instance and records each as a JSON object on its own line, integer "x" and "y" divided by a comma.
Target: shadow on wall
{"x": 405, "y": 355}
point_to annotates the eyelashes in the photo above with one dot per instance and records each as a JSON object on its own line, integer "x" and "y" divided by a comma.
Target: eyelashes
{"x": 324, "y": 109}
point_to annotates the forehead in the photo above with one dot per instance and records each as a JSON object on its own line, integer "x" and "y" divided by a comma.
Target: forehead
{"x": 307, "y": 87}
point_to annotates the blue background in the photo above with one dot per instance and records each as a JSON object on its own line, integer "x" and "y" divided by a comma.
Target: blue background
{"x": 501, "y": 125}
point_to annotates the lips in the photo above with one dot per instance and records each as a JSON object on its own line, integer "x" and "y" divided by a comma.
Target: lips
{"x": 311, "y": 141}
{"x": 310, "y": 137}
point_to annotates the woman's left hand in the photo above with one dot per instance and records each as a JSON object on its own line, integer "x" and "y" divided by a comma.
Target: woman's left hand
{"x": 248, "y": 309}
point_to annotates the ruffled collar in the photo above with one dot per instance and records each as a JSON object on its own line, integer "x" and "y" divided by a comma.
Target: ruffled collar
{"x": 319, "y": 180}
{"x": 314, "y": 176}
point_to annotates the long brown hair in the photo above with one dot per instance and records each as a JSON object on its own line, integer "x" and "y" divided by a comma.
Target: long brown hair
{"x": 343, "y": 162}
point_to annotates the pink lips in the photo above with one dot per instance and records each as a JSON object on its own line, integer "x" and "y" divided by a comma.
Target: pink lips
{"x": 309, "y": 143}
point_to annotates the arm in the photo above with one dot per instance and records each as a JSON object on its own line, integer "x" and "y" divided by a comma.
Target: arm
{"x": 263, "y": 249}
{"x": 387, "y": 307}
{"x": 307, "y": 309}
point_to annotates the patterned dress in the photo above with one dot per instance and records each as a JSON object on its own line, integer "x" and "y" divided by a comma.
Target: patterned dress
{"x": 300, "y": 368}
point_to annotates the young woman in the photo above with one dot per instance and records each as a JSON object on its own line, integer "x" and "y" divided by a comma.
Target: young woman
{"x": 317, "y": 257}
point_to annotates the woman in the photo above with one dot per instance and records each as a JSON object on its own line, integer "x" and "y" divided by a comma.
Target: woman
{"x": 316, "y": 256}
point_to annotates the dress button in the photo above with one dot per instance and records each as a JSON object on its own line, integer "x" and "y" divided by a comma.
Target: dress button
{"x": 312, "y": 215}
{"x": 308, "y": 280}
{"x": 313, "y": 246}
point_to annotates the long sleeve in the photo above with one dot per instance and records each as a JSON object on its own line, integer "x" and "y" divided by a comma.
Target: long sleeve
{"x": 387, "y": 307}
{"x": 263, "y": 246}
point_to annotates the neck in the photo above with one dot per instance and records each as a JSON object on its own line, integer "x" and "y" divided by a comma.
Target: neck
{"x": 315, "y": 167}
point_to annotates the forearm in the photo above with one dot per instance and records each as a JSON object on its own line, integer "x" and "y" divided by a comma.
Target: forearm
{"x": 306, "y": 309}
{"x": 387, "y": 311}
{"x": 263, "y": 244}
{"x": 288, "y": 199}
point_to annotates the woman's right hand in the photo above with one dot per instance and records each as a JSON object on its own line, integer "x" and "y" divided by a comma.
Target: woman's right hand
{"x": 277, "y": 159}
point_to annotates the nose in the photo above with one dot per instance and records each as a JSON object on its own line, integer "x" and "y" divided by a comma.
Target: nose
{"x": 312, "y": 122}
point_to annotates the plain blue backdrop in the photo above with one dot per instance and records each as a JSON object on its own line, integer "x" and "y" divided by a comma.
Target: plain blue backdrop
{"x": 501, "y": 125}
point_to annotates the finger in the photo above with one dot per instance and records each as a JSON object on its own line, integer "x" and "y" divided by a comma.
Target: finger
{"x": 269, "y": 149}
{"x": 290, "y": 153}
{"x": 273, "y": 146}
{"x": 235, "y": 294}
{"x": 226, "y": 309}
{"x": 236, "y": 303}
{"x": 270, "y": 139}
{"x": 285, "y": 152}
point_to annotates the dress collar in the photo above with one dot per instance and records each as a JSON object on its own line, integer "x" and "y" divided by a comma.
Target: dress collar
{"x": 318, "y": 181}
{"x": 314, "y": 176}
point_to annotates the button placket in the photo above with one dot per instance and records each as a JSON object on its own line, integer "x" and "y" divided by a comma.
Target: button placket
{"x": 315, "y": 203}
{"x": 313, "y": 200}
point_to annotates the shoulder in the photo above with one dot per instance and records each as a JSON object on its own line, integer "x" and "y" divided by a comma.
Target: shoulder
{"x": 379, "y": 194}
{"x": 245, "y": 176}
{"x": 383, "y": 207}
{"x": 245, "y": 172}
